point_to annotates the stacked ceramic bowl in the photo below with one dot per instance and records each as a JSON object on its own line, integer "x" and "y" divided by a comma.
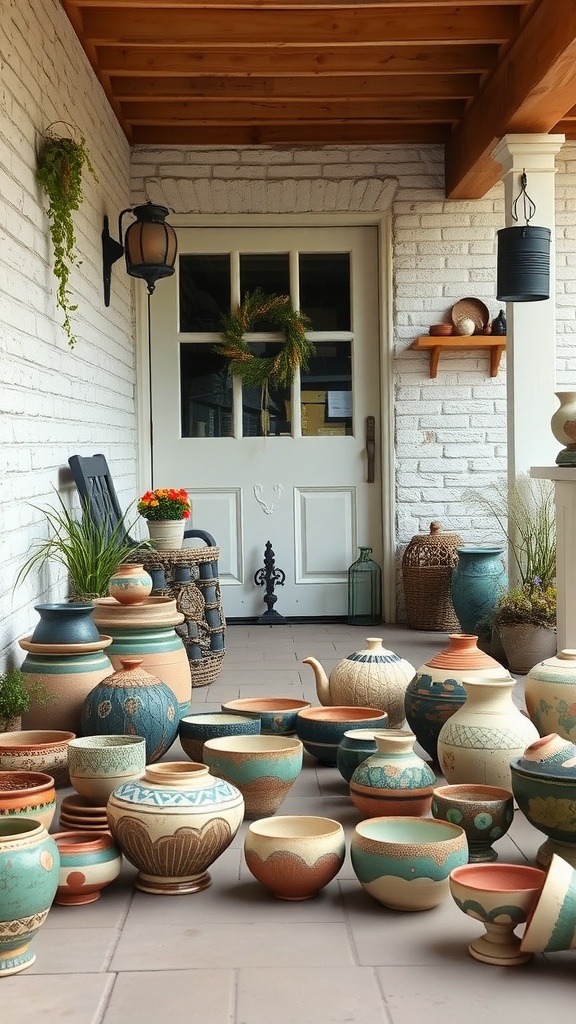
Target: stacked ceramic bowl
{"x": 76, "y": 814}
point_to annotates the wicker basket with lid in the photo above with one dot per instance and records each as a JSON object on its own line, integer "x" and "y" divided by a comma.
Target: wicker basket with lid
{"x": 427, "y": 566}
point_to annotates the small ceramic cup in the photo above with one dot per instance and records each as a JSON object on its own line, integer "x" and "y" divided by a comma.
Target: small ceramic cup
{"x": 99, "y": 764}
{"x": 295, "y": 856}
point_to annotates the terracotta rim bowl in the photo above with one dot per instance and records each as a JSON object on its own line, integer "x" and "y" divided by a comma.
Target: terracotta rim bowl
{"x": 341, "y": 713}
{"x": 37, "y": 750}
{"x": 34, "y": 739}
{"x": 322, "y": 728}
{"x": 294, "y": 855}
{"x": 277, "y": 714}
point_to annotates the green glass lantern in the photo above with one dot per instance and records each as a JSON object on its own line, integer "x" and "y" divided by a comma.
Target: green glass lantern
{"x": 364, "y": 591}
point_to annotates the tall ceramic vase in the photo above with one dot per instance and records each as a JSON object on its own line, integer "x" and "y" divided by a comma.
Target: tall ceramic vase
{"x": 550, "y": 692}
{"x": 563, "y": 426}
{"x": 29, "y": 866}
{"x": 478, "y": 580}
{"x": 477, "y": 743}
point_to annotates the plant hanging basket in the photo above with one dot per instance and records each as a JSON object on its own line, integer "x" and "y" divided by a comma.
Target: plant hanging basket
{"x": 427, "y": 567}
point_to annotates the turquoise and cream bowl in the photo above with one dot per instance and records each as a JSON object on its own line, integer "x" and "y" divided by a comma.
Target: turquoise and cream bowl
{"x": 405, "y": 863}
{"x": 99, "y": 764}
{"x": 194, "y": 730}
{"x": 263, "y": 768}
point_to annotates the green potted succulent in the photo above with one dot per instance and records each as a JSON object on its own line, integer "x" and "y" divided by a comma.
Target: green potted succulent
{"x": 17, "y": 696}
{"x": 525, "y": 620}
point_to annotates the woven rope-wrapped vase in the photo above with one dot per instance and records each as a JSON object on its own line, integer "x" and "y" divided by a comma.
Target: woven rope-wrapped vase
{"x": 427, "y": 567}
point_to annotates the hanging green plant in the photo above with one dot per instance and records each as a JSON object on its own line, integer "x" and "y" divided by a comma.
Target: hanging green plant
{"x": 259, "y": 371}
{"x": 59, "y": 172}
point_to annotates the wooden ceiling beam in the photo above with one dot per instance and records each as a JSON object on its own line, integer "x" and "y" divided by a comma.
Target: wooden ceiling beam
{"x": 312, "y": 4}
{"x": 293, "y": 60}
{"x": 530, "y": 91}
{"x": 219, "y": 111}
{"x": 162, "y": 28}
{"x": 289, "y": 135}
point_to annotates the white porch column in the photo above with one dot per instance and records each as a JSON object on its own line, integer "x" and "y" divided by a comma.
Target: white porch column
{"x": 531, "y": 326}
{"x": 565, "y": 498}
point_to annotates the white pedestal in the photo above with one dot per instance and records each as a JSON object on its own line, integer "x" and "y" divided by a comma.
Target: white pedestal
{"x": 564, "y": 478}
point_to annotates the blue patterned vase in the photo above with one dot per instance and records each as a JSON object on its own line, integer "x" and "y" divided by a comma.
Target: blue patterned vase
{"x": 478, "y": 580}
{"x": 394, "y": 780}
{"x": 29, "y": 866}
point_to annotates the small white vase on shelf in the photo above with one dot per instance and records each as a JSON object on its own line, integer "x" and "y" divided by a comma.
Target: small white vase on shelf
{"x": 563, "y": 426}
{"x": 166, "y": 534}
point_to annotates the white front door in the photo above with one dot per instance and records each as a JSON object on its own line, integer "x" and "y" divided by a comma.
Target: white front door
{"x": 304, "y": 485}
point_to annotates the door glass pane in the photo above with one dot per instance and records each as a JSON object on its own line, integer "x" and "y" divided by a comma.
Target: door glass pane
{"x": 326, "y": 391}
{"x": 204, "y": 292}
{"x": 206, "y": 392}
{"x": 268, "y": 271}
{"x": 255, "y": 422}
{"x": 325, "y": 290}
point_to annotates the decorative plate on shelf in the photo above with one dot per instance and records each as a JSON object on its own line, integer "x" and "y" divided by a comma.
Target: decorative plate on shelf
{"x": 471, "y": 309}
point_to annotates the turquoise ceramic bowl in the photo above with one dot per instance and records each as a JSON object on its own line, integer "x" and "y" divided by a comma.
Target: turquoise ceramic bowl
{"x": 277, "y": 714}
{"x": 405, "y": 863}
{"x": 263, "y": 768}
{"x": 322, "y": 728}
{"x": 550, "y": 925}
{"x": 194, "y": 730}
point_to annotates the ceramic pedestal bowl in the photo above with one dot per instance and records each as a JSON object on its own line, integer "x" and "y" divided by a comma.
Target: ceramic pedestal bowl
{"x": 194, "y": 730}
{"x": 99, "y": 764}
{"x": 295, "y": 856}
{"x": 544, "y": 785}
{"x": 552, "y": 922}
{"x": 36, "y": 750}
{"x": 484, "y": 812}
{"x": 88, "y": 863}
{"x": 322, "y": 728}
{"x": 501, "y": 896}
{"x": 263, "y": 768}
{"x": 277, "y": 714}
{"x": 28, "y": 795}
{"x": 404, "y": 863}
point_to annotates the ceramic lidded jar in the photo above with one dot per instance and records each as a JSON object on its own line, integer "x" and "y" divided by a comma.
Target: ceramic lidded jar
{"x": 133, "y": 703}
{"x": 372, "y": 678}
{"x": 29, "y": 864}
{"x": 173, "y": 823}
{"x": 394, "y": 780}
{"x": 477, "y": 743}
{"x": 550, "y": 693}
{"x": 130, "y": 584}
{"x": 436, "y": 691}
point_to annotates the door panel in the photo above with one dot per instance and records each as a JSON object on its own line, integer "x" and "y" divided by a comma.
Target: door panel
{"x": 303, "y": 486}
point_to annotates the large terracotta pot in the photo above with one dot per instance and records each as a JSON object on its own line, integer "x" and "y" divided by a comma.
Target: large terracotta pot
{"x": 436, "y": 691}
{"x": 147, "y": 631}
{"x": 67, "y": 672}
{"x": 550, "y": 692}
{"x": 29, "y": 865}
{"x": 173, "y": 823}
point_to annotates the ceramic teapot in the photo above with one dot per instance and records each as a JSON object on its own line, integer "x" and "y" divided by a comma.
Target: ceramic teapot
{"x": 372, "y": 678}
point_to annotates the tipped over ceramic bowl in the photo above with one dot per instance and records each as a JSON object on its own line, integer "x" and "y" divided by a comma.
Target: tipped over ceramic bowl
{"x": 322, "y": 728}
{"x": 277, "y": 714}
{"x": 295, "y": 855}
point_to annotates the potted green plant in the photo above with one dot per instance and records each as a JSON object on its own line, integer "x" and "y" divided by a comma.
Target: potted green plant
{"x": 526, "y": 622}
{"x": 17, "y": 696}
{"x": 61, "y": 162}
{"x": 90, "y": 551}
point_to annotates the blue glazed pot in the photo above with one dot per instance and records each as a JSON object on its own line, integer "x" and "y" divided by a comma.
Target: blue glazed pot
{"x": 321, "y": 729}
{"x": 65, "y": 624}
{"x": 478, "y": 580}
{"x": 29, "y": 866}
{"x": 354, "y": 747}
{"x": 277, "y": 714}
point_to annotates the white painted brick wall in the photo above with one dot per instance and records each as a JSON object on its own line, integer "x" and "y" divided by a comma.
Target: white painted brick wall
{"x": 54, "y": 402}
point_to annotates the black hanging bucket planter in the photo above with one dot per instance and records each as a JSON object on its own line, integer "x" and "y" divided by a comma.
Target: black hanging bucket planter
{"x": 523, "y": 269}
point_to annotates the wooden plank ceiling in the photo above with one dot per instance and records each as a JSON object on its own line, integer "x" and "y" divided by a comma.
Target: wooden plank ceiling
{"x": 308, "y": 72}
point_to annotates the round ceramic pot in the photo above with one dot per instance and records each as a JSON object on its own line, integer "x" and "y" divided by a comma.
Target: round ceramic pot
{"x": 264, "y": 768}
{"x": 88, "y": 863}
{"x": 484, "y": 812}
{"x": 130, "y": 584}
{"x": 405, "y": 863}
{"x": 173, "y": 823}
{"x": 550, "y": 925}
{"x": 478, "y": 580}
{"x": 99, "y": 764}
{"x": 436, "y": 691}
{"x": 29, "y": 863}
{"x": 502, "y": 896}
{"x": 29, "y": 795}
{"x": 394, "y": 780}
{"x": 544, "y": 786}
{"x": 563, "y": 425}
{"x": 354, "y": 747}
{"x": 550, "y": 693}
{"x": 295, "y": 856}
{"x": 65, "y": 623}
{"x": 525, "y": 645}
{"x": 277, "y": 714}
{"x": 166, "y": 534}
{"x": 133, "y": 703}
{"x": 321, "y": 729}
{"x": 67, "y": 676}
{"x": 194, "y": 730}
{"x": 147, "y": 631}
{"x": 371, "y": 678}
{"x": 37, "y": 750}
{"x": 478, "y": 741}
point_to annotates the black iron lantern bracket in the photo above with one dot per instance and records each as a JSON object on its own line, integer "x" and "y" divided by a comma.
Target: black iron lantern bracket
{"x": 149, "y": 246}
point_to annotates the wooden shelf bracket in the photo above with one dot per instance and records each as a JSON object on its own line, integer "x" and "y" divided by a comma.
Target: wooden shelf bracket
{"x": 436, "y": 345}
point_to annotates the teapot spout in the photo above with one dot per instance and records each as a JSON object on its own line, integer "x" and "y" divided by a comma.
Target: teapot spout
{"x": 322, "y": 684}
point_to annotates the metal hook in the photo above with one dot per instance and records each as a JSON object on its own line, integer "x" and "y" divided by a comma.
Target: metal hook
{"x": 528, "y": 205}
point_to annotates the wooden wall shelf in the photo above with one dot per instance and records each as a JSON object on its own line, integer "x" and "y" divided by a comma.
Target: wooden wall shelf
{"x": 435, "y": 345}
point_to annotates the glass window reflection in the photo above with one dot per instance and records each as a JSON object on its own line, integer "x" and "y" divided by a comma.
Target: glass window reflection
{"x": 204, "y": 292}
{"x": 206, "y": 393}
{"x": 325, "y": 290}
